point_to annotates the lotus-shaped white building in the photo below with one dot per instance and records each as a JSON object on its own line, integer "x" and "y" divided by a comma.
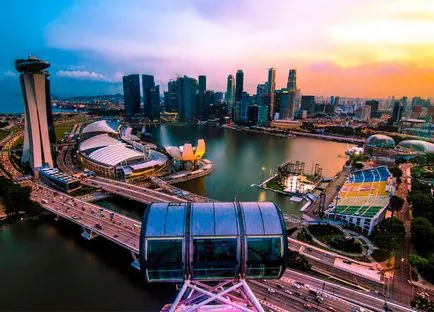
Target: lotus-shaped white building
{"x": 187, "y": 152}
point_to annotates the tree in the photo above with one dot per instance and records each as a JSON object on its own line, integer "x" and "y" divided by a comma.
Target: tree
{"x": 298, "y": 261}
{"x": 417, "y": 261}
{"x": 396, "y": 172}
{"x": 389, "y": 234}
{"x": 395, "y": 204}
{"x": 422, "y": 233}
{"x": 422, "y": 202}
{"x": 422, "y": 304}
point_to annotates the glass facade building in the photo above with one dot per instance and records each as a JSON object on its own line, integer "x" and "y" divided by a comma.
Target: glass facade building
{"x": 212, "y": 241}
{"x": 131, "y": 87}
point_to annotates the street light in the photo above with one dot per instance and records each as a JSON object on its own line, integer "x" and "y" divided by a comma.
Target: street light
{"x": 263, "y": 168}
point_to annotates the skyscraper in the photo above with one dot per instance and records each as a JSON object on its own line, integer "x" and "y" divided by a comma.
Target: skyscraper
{"x": 292, "y": 80}
{"x": 201, "y": 94}
{"x": 147, "y": 84}
{"x": 374, "y": 108}
{"x": 286, "y": 110}
{"x": 261, "y": 94}
{"x": 131, "y": 85}
{"x": 292, "y": 89}
{"x": 230, "y": 92}
{"x": 187, "y": 94}
{"x": 397, "y": 113}
{"x": 308, "y": 103}
{"x": 172, "y": 89}
{"x": 153, "y": 101}
{"x": 202, "y": 84}
{"x": 271, "y": 89}
{"x": 37, "y": 113}
{"x": 239, "y": 83}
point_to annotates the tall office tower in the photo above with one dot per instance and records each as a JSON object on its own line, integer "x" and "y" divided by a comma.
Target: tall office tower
{"x": 261, "y": 94}
{"x": 365, "y": 113}
{"x": 201, "y": 94}
{"x": 336, "y": 101}
{"x": 209, "y": 100}
{"x": 308, "y": 103}
{"x": 153, "y": 102}
{"x": 187, "y": 94}
{"x": 292, "y": 87}
{"x": 37, "y": 116}
{"x": 166, "y": 101}
{"x": 230, "y": 87}
{"x": 262, "y": 115}
{"x": 147, "y": 84}
{"x": 202, "y": 84}
{"x": 271, "y": 88}
{"x": 172, "y": 89}
{"x": 297, "y": 103}
{"x": 244, "y": 107}
{"x": 286, "y": 110}
{"x": 239, "y": 84}
{"x": 396, "y": 114}
{"x": 131, "y": 84}
{"x": 374, "y": 108}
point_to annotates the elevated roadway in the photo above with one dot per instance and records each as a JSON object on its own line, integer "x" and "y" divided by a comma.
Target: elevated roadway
{"x": 130, "y": 191}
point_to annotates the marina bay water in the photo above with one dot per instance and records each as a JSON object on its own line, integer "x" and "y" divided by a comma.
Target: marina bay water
{"x": 242, "y": 159}
{"x": 56, "y": 269}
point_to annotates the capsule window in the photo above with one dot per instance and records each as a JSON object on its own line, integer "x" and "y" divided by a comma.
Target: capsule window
{"x": 264, "y": 257}
{"x": 164, "y": 259}
{"x": 214, "y": 258}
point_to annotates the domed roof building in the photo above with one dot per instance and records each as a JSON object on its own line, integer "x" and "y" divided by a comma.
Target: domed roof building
{"x": 417, "y": 146}
{"x": 98, "y": 127}
{"x": 380, "y": 140}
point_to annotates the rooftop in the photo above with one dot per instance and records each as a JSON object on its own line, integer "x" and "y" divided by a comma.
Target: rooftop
{"x": 100, "y": 140}
{"x": 98, "y": 126}
{"x": 365, "y": 193}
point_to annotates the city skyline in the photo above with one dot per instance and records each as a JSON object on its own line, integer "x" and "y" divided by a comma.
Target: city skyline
{"x": 380, "y": 51}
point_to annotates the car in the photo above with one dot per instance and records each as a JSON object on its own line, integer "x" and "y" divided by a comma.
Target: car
{"x": 307, "y": 306}
{"x": 295, "y": 285}
{"x": 319, "y": 299}
{"x": 331, "y": 309}
{"x": 271, "y": 290}
{"x": 280, "y": 286}
{"x": 75, "y": 217}
{"x": 298, "y": 293}
{"x": 309, "y": 249}
{"x": 288, "y": 291}
{"x": 98, "y": 226}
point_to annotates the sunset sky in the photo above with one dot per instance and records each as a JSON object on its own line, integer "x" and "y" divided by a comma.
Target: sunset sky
{"x": 358, "y": 48}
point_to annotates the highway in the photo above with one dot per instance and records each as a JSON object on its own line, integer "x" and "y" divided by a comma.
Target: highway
{"x": 325, "y": 261}
{"x": 131, "y": 191}
{"x": 117, "y": 228}
{"x": 179, "y": 192}
{"x": 362, "y": 298}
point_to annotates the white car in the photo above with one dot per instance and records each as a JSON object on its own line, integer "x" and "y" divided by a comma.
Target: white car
{"x": 271, "y": 290}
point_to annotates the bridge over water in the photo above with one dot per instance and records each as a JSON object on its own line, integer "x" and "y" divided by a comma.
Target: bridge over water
{"x": 94, "y": 220}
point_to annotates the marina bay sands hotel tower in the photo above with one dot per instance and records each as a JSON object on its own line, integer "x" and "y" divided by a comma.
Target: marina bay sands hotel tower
{"x": 38, "y": 119}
